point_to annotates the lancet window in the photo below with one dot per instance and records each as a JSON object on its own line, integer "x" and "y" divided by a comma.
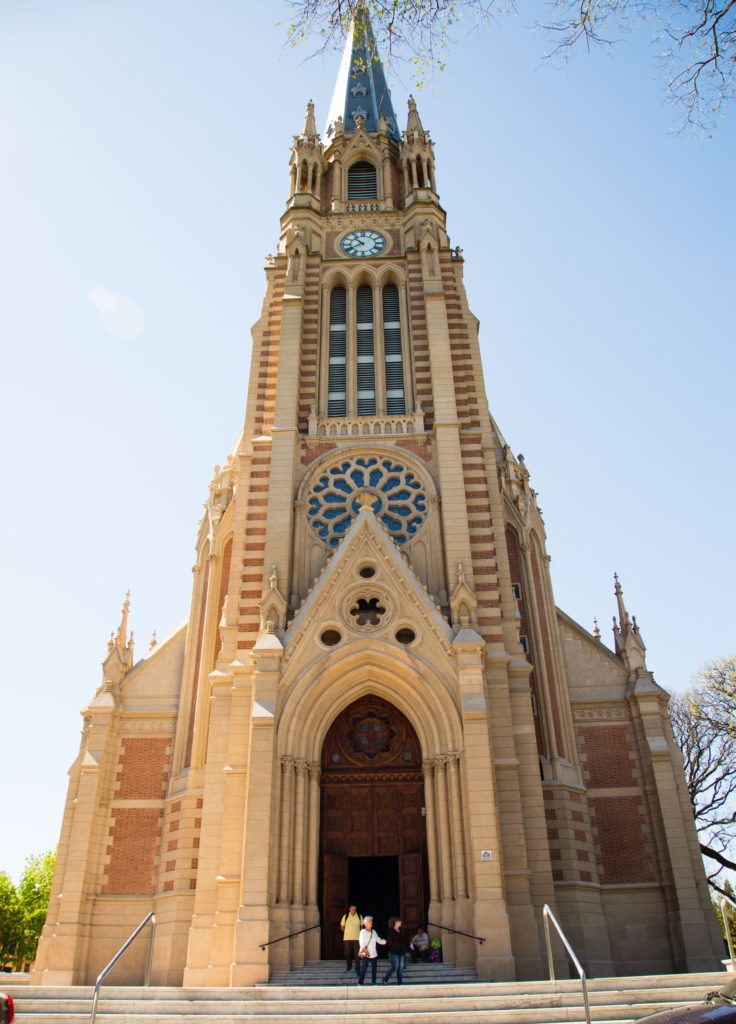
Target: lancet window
{"x": 365, "y": 358}
{"x": 366, "y": 355}
{"x": 362, "y": 181}
{"x": 337, "y": 381}
{"x": 395, "y": 399}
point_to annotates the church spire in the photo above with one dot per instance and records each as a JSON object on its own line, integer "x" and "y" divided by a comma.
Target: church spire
{"x": 361, "y": 90}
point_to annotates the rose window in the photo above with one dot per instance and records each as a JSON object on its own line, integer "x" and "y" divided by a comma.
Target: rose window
{"x": 397, "y": 497}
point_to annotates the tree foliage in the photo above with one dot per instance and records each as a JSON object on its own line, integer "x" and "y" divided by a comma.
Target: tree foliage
{"x": 695, "y": 39}
{"x": 704, "y": 723}
{"x": 23, "y": 910}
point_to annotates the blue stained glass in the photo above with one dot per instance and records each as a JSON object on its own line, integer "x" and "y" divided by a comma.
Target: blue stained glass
{"x": 399, "y": 500}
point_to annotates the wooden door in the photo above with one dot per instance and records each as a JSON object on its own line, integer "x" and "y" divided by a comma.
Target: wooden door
{"x": 411, "y": 891}
{"x": 334, "y": 901}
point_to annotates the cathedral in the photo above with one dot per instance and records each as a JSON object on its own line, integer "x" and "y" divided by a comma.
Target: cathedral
{"x": 374, "y": 699}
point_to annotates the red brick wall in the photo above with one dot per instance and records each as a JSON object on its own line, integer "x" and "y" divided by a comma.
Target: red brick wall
{"x": 251, "y": 576}
{"x": 463, "y": 371}
{"x": 135, "y": 835}
{"x": 420, "y": 341}
{"x": 310, "y": 342}
{"x": 135, "y": 832}
{"x": 607, "y": 755}
{"x": 143, "y": 768}
{"x": 622, "y": 849}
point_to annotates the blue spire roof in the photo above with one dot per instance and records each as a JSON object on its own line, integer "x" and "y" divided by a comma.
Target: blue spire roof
{"x": 361, "y": 89}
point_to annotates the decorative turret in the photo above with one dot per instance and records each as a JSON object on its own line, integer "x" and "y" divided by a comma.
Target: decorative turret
{"x": 120, "y": 651}
{"x": 626, "y": 637}
{"x": 361, "y": 90}
{"x": 306, "y": 160}
{"x": 417, "y": 159}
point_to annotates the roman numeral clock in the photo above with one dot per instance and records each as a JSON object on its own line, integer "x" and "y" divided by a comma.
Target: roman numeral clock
{"x": 363, "y": 243}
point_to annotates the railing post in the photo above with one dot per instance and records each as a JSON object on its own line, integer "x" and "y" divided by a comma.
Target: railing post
{"x": 548, "y": 940}
{"x": 148, "y": 919}
{"x": 547, "y": 916}
{"x": 149, "y": 958}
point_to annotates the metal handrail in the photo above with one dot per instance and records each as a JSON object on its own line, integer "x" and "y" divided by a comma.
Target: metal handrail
{"x": 454, "y": 931}
{"x": 148, "y": 919}
{"x": 310, "y": 929}
{"x": 549, "y": 916}
{"x": 725, "y": 904}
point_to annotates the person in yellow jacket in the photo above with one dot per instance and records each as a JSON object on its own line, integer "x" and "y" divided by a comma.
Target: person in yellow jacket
{"x": 350, "y": 926}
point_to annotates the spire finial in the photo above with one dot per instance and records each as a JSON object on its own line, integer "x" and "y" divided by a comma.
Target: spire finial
{"x": 623, "y": 615}
{"x": 596, "y": 629}
{"x": 413, "y": 123}
{"x": 309, "y": 131}
{"x": 122, "y": 634}
{"x": 154, "y": 641}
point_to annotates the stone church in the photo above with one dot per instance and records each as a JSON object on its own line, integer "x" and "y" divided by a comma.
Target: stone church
{"x": 375, "y": 698}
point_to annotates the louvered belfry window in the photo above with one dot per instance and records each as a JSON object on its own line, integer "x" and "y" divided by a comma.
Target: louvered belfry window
{"x": 362, "y": 181}
{"x": 395, "y": 401}
{"x": 336, "y": 386}
{"x": 366, "y": 360}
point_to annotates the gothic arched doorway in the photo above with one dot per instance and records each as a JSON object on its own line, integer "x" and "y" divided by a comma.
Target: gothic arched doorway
{"x": 373, "y": 837}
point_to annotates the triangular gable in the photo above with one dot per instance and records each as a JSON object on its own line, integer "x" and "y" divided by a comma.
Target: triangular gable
{"x": 366, "y": 538}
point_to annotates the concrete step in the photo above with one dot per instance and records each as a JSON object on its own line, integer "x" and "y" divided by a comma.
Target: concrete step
{"x": 613, "y": 1001}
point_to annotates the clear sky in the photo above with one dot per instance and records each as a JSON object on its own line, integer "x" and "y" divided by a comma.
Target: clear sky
{"x": 143, "y": 167}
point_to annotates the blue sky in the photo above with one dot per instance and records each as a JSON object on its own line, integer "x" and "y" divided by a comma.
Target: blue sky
{"x": 144, "y": 153}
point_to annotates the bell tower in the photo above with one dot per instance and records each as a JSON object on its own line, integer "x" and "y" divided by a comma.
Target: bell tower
{"x": 375, "y": 692}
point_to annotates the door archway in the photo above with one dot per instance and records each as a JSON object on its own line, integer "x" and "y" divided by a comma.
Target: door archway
{"x": 372, "y": 836}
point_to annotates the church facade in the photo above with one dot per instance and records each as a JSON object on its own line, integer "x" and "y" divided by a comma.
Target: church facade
{"x": 375, "y": 698}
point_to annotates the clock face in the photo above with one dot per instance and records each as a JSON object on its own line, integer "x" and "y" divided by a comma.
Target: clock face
{"x": 363, "y": 243}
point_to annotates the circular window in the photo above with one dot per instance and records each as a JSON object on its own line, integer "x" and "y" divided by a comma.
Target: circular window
{"x": 331, "y": 637}
{"x": 405, "y": 635}
{"x": 367, "y": 572}
{"x": 337, "y": 494}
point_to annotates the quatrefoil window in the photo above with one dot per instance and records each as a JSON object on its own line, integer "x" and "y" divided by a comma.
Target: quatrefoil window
{"x": 400, "y": 502}
{"x": 367, "y": 611}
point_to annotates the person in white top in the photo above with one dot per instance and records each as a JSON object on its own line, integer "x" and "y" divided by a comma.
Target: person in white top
{"x": 369, "y": 941}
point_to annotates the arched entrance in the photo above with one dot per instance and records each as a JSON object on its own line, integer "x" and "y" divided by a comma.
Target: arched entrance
{"x": 373, "y": 838}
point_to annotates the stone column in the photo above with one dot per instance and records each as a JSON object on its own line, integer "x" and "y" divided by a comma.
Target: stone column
{"x": 285, "y": 845}
{"x": 447, "y": 913}
{"x": 298, "y": 916}
{"x": 257, "y": 922}
{"x": 458, "y": 846}
{"x": 432, "y": 850}
{"x": 494, "y": 959}
{"x": 312, "y": 939}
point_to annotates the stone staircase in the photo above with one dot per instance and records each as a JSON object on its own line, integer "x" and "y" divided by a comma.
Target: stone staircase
{"x": 332, "y": 972}
{"x": 612, "y": 1000}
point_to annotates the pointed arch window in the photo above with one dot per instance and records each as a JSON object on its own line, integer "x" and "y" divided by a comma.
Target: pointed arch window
{"x": 336, "y": 385}
{"x": 366, "y": 358}
{"x": 395, "y": 398}
{"x": 362, "y": 181}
